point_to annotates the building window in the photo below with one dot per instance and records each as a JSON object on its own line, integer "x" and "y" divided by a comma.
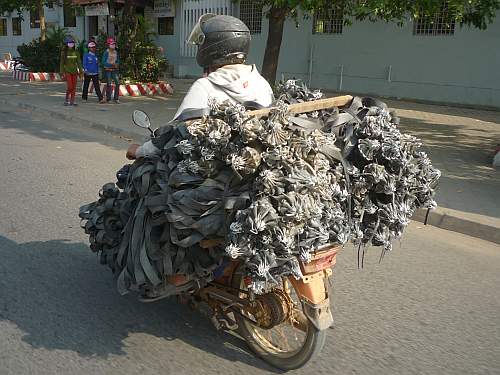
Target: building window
{"x": 329, "y": 20}
{"x": 166, "y": 25}
{"x": 16, "y": 26}
{"x": 69, "y": 15}
{"x": 3, "y": 26}
{"x": 34, "y": 19}
{"x": 442, "y": 23}
{"x": 251, "y": 15}
{"x": 93, "y": 26}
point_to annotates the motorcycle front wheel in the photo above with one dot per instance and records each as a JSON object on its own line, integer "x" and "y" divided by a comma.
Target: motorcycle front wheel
{"x": 287, "y": 346}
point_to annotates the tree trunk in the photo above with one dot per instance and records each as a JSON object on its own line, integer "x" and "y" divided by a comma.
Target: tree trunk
{"x": 126, "y": 32}
{"x": 277, "y": 18}
{"x": 43, "y": 27}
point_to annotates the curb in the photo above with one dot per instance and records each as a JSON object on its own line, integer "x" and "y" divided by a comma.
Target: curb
{"x": 450, "y": 221}
{"x": 21, "y": 75}
{"x": 45, "y": 77}
{"x": 140, "y": 89}
{"x": 439, "y": 217}
{"x": 7, "y": 65}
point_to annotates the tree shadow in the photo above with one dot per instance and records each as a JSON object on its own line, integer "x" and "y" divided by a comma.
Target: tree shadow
{"x": 455, "y": 148}
{"x": 54, "y": 292}
{"x": 463, "y": 154}
{"x": 456, "y": 113}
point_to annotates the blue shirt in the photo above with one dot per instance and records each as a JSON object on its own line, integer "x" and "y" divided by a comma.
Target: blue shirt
{"x": 90, "y": 63}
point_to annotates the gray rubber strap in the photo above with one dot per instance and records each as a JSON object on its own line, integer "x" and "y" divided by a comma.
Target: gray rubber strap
{"x": 152, "y": 229}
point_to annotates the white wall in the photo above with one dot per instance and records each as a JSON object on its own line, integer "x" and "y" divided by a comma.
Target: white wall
{"x": 10, "y": 42}
{"x": 460, "y": 68}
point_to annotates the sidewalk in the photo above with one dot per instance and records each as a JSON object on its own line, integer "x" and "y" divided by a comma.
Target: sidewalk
{"x": 46, "y": 98}
{"x": 459, "y": 141}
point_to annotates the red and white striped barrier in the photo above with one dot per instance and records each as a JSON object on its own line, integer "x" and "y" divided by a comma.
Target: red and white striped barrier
{"x": 140, "y": 89}
{"x": 7, "y": 65}
{"x": 45, "y": 77}
{"x": 21, "y": 75}
{"x": 29, "y": 76}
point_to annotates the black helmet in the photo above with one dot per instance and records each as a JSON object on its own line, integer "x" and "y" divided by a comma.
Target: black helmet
{"x": 221, "y": 40}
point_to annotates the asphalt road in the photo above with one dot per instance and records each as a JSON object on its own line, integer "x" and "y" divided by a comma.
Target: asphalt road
{"x": 431, "y": 307}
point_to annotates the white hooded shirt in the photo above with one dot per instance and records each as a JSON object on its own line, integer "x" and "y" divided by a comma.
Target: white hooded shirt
{"x": 237, "y": 83}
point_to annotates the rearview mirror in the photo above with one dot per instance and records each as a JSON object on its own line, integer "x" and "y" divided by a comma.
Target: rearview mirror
{"x": 141, "y": 119}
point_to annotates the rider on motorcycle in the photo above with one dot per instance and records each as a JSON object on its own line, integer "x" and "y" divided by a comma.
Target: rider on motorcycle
{"x": 223, "y": 43}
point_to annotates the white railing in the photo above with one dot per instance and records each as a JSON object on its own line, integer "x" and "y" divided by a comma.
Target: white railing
{"x": 192, "y": 10}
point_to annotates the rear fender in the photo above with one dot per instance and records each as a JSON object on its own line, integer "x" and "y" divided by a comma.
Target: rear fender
{"x": 313, "y": 293}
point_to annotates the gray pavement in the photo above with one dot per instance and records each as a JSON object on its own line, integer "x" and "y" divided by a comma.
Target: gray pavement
{"x": 459, "y": 141}
{"x": 46, "y": 99}
{"x": 431, "y": 307}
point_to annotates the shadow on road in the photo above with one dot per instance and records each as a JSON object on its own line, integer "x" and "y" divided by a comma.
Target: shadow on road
{"x": 57, "y": 130}
{"x": 57, "y": 296}
{"x": 463, "y": 153}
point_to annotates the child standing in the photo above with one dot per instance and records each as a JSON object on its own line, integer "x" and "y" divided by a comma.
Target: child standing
{"x": 70, "y": 67}
{"x": 111, "y": 63}
{"x": 91, "y": 72}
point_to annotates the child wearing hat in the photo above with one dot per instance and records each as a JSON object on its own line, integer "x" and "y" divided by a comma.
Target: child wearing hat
{"x": 91, "y": 72}
{"x": 111, "y": 63}
{"x": 70, "y": 67}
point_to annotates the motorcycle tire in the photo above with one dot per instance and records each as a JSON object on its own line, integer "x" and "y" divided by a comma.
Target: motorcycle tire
{"x": 311, "y": 347}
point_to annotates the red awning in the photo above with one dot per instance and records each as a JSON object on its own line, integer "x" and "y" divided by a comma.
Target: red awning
{"x": 90, "y": 2}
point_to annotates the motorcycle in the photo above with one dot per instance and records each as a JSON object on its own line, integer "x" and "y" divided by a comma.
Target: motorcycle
{"x": 285, "y": 327}
{"x": 19, "y": 65}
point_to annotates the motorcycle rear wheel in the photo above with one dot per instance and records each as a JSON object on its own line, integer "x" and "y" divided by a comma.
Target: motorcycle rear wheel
{"x": 279, "y": 356}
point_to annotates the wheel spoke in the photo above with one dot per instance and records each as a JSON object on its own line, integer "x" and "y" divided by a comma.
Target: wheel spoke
{"x": 290, "y": 344}
{"x": 299, "y": 320}
{"x": 289, "y": 336}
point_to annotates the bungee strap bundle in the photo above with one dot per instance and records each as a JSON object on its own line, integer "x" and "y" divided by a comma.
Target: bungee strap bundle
{"x": 275, "y": 189}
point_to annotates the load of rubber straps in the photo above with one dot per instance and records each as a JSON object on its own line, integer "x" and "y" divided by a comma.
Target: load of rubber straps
{"x": 274, "y": 189}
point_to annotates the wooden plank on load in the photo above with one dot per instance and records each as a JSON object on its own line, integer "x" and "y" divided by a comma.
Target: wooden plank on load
{"x": 315, "y": 105}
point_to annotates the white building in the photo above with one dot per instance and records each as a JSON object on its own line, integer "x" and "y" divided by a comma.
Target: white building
{"x": 433, "y": 60}
{"x": 15, "y": 31}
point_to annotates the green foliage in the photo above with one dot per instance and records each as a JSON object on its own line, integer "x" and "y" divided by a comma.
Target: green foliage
{"x": 56, "y": 35}
{"x": 141, "y": 60}
{"x": 151, "y": 65}
{"x": 81, "y": 47}
{"x": 101, "y": 44}
{"x": 20, "y": 5}
{"x": 477, "y": 13}
{"x": 43, "y": 56}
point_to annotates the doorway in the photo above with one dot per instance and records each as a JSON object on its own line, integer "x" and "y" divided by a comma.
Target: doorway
{"x": 93, "y": 26}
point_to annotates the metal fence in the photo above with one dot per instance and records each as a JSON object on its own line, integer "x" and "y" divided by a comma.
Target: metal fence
{"x": 441, "y": 23}
{"x": 329, "y": 20}
{"x": 251, "y": 15}
{"x": 192, "y": 10}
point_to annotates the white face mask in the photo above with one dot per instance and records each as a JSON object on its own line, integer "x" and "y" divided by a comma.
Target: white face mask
{"x": 71, "y": 45}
